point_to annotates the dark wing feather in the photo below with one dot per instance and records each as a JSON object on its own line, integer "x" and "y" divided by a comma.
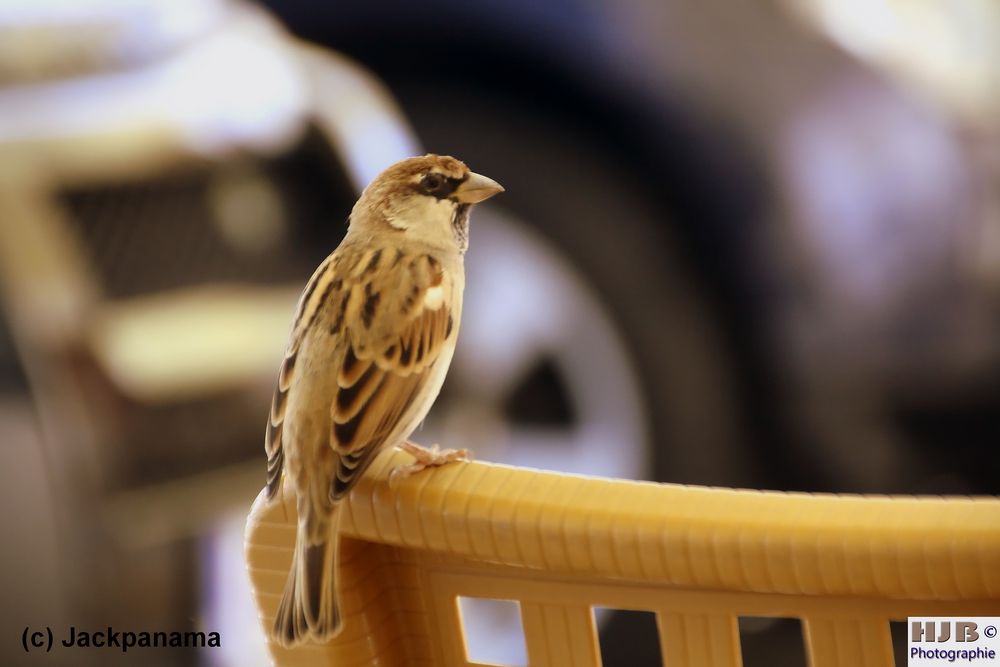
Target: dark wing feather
{"x": 386, "y": 369}
{"x": 396, "y": 336}
{"x": 315, "y": 293}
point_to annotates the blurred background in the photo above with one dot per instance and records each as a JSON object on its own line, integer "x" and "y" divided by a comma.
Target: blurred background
{"x": 740, "y": 245}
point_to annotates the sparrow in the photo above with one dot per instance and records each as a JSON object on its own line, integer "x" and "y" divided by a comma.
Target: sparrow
{"x": 370, "y": 344}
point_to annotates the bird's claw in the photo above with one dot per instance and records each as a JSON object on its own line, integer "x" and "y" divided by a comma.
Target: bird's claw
{"x": 425, "y": 458}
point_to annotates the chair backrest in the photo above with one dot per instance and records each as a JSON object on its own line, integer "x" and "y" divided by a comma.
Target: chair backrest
{"x": 698, "y": 557}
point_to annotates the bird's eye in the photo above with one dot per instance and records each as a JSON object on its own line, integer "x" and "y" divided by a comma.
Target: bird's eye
{"x": 432, "y": 183}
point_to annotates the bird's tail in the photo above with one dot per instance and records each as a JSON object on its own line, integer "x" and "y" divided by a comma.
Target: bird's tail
{"x": 309, "y": 608}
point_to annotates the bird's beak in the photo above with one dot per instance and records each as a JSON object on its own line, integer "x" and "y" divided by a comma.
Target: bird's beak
{"x": 476, "y": 188}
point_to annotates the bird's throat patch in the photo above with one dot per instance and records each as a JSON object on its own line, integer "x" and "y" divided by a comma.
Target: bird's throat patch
{"x": 460, "y": 226}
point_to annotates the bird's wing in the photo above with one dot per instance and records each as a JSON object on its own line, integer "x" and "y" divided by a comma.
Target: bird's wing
{"x": 397, "y": 322}
{"x": 317, "y": 290}
{"x": 392, "y": 310}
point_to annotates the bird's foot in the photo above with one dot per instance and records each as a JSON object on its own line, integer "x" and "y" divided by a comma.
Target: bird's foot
{"x": 426, "y": 458}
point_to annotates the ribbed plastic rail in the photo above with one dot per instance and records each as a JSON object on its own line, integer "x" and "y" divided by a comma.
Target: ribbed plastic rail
{"x": 697, "y": 557}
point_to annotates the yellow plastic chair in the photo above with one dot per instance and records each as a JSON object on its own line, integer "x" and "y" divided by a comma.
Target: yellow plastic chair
{"x": 698, "y": 557}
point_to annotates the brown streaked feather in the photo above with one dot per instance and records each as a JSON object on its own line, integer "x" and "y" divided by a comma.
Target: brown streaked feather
{"x": 275, "y": 464}
{"x": 379, "y": 380}
{"x": 350, "y": 400}
{"x": 351, "y": 369}
{"x": 275, "y": 422}
{"x": 317, "y": 290}
{"x": 369, "y": 429}
{"x": 394, "y": 340}
{"x": 388, "y": 384}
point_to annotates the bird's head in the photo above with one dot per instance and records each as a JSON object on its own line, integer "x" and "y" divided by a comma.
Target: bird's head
{"x": 427, "y": 198}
